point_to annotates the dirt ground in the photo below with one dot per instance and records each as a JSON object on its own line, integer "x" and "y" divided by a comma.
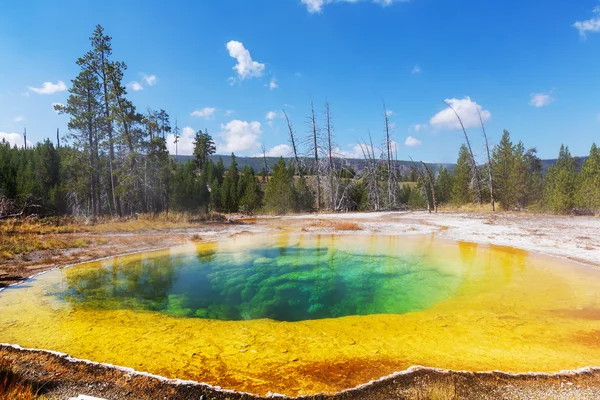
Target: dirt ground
{"x": 574, "y": 238}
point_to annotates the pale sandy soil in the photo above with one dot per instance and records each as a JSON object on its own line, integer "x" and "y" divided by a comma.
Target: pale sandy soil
{"x": 574, "y": 238}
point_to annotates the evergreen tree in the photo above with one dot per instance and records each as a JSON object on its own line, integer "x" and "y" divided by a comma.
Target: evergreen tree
{"x": 503, "y": 162}
{"x": 280, "y": 195}
{"x": 559, "y": 194}
{"x": 443, "y": 186}
{"x": 204, "y": 147}
{"x": 588, "y": 183}
{"x": 461, "y": 188}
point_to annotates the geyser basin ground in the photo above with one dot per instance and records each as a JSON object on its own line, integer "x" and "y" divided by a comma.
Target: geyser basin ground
{"x": 307, "y": 314}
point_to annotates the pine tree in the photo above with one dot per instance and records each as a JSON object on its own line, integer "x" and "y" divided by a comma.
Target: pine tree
{"x": 559, "y": 194}
{"x": 444, "y": 185}
{"x": 461, "y": 189}
{"x": 280, "y": 195}
{"x": 204, "y": 147}
{"x": 503, "y": 162}
{"x": 588, "y": 182}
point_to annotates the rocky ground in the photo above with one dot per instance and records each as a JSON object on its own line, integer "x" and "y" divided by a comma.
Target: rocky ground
{"x": 574, "y": 238}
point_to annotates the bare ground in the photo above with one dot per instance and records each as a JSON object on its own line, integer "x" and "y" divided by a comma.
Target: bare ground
{"x": 574, "y": 238}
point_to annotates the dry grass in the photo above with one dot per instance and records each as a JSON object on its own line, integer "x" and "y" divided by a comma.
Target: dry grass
{"x": 470, "y": 208}
{"x": 23, "y": 236}
{"x": 335, "y": 225}
{"x": 13, "y": 386}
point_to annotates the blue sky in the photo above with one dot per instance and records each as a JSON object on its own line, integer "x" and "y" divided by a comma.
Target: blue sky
{"x": 230, "y": 66}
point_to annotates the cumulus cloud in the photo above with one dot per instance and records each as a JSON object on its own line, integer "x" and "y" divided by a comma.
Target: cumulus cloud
{"x": 466, "y": 108}
{"x": 281, "y": 150}
{"x": 316, "y": 6}
{"x": 356, "y": 151}
{"x": 19, "y": 118}
{"x": 239, "y": 136}
{"x": 416, "y": 70}
{"x": 206, "y": 113}
{"x": 419, "y": 127}
{"x": 150, "y": 79}
{"x": 273, "y": 84}
{"x": 589, "y": 25}
{"x": 541, "y": 99}
{"x": 15, "y": 139}
{"x": 271, "y": 115}
{"x": 246, "y": 67}
{"x": 50, "y": 88}
{"x": 185, "y": 146}
{"x": 135, "y": 86}
{"x": 412, "y": 142}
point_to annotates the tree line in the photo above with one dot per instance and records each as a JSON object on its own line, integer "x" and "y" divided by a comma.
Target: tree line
{"x": 116, "y": 162}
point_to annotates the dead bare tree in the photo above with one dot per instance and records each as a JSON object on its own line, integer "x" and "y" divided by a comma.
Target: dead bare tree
{"x": 424, "y": 179}
{"x": 315, "y": 149}
{"x": 333, "y": 188}
{"x": 293, "y": 142}
{"x": 262, "y": 146}
{"x": 487, "y": 148}
{"x": 431, "y": 185}
{"x": 391, "y": 192}
{"x": 370, "y": 174}
{"x": 475, "y": 178}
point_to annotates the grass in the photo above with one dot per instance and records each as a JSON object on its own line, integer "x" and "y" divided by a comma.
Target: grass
{"x": 435, "y": 388}
{"x": 13, "y": 386}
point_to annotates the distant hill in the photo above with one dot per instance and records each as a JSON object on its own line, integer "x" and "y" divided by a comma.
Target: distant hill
{"x": 358, "y": 165}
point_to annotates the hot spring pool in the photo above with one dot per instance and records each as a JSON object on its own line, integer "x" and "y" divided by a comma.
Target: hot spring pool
{"x": 303, "y": 314}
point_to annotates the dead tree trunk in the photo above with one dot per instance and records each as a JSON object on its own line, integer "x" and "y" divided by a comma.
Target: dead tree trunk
{"x": 293, "y": 141}
{"x": 477, "y": 183}
{"x": 487, "y": 148}
{"x": 313, "y": 122}
{"x": 388, "y": 146}
{"x": 332, "y": 189}
{"x": 432, "y": 186}
{"x": 266, "y": 165}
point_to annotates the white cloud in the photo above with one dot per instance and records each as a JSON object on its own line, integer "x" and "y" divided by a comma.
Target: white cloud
{"x": 229, "y": 113}
{"x": 245, "y": 67}
{"x": 186, "y": 142}
{"x": 541, "y": 99}
{"x": 271, "y": 115}
{"x": 416, "y": 70}
{"x": 355, "y": 151}
{"x": 13, "y": 139}
{"x": 57, "y": 104}
{"x": 135, "y": 86}
{"x": 412, "y": 142}
{"x": 281, "y": 150}
{"x": 239, "y": 136}
{"x": 273, "y": 84}
{"x": 466, "y": 109}
{"x": 316, "y": 6}
{"x": 589, "y": 25}
{"x": 19, "y": 118}
{"x": 150, "y": 79}
{"x": 389, "y": 113}
{"x": 206, "y": 113}
{"x": 50, "y": 88}
{"x": 419, "y": 127}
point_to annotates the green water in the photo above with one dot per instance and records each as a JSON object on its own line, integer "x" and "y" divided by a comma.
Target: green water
{"x": 294, "y": 280}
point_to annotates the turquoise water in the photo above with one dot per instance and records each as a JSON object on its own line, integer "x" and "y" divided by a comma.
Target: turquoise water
{"x": 291, "y": 280}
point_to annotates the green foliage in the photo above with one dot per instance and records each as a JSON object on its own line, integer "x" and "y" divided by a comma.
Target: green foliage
{"x": 280, "y": 196}
{"x": 588, "y": 182}
{"x": 503, "y": 161}
{"x": 461, "y": 189}
{"x": 559, "y": 193}
{"x": 443, "y": 186}
{"x": 204, "y": 147}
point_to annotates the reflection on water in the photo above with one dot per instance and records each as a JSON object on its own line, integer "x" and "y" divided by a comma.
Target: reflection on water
{"x": 286, "y": 280}
{"x": 307, "y": 314}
